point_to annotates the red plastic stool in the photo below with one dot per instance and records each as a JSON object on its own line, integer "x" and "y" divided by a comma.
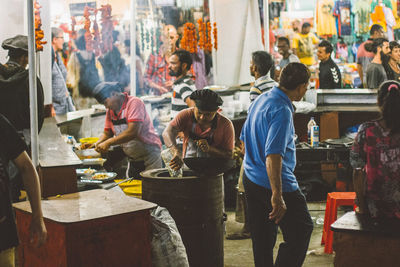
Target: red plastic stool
{"x": 333, "y": 201}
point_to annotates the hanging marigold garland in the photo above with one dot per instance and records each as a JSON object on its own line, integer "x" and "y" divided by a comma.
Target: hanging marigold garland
{"x": 189, "y": 39}
{"x": 215, "y": 34}
{"x": 185, "y": 38}
{"x": 208, "y": 45}
{"x": 39, "y": 34}
{"x": 202, "y": 34}
{"x": 190, "y": 42}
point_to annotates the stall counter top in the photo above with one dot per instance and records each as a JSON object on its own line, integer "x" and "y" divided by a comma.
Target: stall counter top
{"x": 87, "y": 205}
{"x": 53, "y": 151}
{"x": 347, "y": 108}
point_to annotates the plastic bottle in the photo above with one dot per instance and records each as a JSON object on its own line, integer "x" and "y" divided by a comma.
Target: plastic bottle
{"x": 69, "y": 140}
{"x": 314, "y": 136}
{"x": 167, "y": 156}
{"x": 309, "y": 125}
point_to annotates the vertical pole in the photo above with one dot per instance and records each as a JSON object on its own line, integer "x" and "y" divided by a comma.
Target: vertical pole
{"x": 32, "y": 84}
{"x": 214, "y": 53}
{"x": 133, "y": 47}
{"x": 266, "y": 25}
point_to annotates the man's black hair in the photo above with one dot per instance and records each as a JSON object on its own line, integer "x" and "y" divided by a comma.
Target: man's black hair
{"x": 328, "y": 46}
{"x": 263, "y": 61}
{"x": 375, "y": 28}
{"x": 184, "y": 57}
{"x": 206, "y": 100}
{"x": 373, "y": 46}
{"x": 293, "y": 75}
{"x": 389, "y": 101}
{"x": 284, "y": 39}
{"x": 105, "y": 90}
{"x": 305, "y": 25}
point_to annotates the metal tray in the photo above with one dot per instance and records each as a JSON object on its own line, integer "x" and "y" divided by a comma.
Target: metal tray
{"x": 110, "y": 176}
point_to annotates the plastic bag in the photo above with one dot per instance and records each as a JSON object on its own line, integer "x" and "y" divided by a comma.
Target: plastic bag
{"x": 167, "y": 248}
{"x": 167, "y": 155}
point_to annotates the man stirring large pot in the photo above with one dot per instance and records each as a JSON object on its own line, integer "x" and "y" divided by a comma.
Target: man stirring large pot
{"x": 207, "y": 133}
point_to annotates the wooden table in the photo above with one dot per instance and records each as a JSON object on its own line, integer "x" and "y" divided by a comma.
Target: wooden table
{"x": 57, "y": 162}
{"x": 91, "y": 228}
{"x": 359, "y": 241}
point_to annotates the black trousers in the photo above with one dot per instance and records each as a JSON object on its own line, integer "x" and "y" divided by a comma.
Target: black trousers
{"x": 296, "y": 227}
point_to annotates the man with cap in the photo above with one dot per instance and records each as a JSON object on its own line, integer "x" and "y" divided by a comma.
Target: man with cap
{"x": 127, "y": 124}
{"x": 206, "y": 132}
{"x": 14, "y": 86}
{"x": 14, "y": 98}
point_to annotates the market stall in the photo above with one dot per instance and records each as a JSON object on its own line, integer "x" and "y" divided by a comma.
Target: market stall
{"x": 131, "y": 42}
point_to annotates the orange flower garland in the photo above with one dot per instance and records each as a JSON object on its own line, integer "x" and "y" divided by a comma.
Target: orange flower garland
{"x": 189, "y": 39}
{"x": 39, "y": 34}
{"x": 215, "y": 33}
{"x": 202, "y": 35}
{"x": 208, "y": 46}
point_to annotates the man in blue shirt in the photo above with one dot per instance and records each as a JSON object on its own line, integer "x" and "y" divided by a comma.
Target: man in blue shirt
{"x": 273, "y": 195}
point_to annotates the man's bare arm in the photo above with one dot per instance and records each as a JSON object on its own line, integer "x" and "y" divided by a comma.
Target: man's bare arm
{"x": 30, "y": 179}
{"x": 274, "y": 171}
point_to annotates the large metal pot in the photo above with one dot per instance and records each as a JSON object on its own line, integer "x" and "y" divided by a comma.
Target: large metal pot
{"x": 196, "y": 204}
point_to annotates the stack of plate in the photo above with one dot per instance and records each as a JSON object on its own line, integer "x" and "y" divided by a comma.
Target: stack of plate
{"x": 132, "y": 188}
{"x": 93, "y": 176}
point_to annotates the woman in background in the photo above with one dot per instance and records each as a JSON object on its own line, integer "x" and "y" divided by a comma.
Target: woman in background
{"x": 392, "y": 66}
{"x": 375, "y": 157}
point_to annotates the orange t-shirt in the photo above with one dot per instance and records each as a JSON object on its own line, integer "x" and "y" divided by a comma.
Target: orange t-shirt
{"x": 224, "y": 134}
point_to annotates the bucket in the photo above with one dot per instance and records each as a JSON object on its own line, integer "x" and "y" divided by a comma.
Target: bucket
{"x": 196, "y": 204}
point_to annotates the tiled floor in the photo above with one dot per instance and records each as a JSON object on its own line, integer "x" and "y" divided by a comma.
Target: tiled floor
{"x": 238, "y": 253}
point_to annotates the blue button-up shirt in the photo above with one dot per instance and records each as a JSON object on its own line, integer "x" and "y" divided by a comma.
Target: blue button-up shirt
{"x": 269, "y": 130}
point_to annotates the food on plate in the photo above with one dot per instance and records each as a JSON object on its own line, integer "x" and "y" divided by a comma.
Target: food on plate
{"x": 100, "y": 176}
{"x": 89, "y": 171}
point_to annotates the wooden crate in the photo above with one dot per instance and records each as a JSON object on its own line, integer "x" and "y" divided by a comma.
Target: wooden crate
{"x": 92, "y": 228}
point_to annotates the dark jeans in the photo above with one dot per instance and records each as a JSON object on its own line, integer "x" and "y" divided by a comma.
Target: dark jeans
{"x": 296, "y": 227}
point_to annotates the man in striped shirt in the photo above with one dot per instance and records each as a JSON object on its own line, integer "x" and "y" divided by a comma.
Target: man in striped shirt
{"x": 179, "y": 65}
{"x": 260, "y": 66}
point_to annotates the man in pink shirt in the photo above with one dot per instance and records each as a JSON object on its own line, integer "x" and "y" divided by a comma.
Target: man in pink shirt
{"x": 127, "y": 124}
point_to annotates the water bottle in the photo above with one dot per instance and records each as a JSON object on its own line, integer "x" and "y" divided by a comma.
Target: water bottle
{"x": 309, "y": 125}
{"x": 314, "y": 136}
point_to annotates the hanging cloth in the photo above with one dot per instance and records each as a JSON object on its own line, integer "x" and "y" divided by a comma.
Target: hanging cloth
{"x": 362, "y": 11}
{"x": 390, "y": 22}
{"x": 325, "y": 19}
{"x": 378, "y": 17}
{"x": 375, "y": 3}
{"x": 342, "y": 11}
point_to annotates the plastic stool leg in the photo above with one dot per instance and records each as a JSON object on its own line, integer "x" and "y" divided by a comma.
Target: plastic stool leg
{"x": 327, "y": 211}
{"x": 329, "y": 233}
